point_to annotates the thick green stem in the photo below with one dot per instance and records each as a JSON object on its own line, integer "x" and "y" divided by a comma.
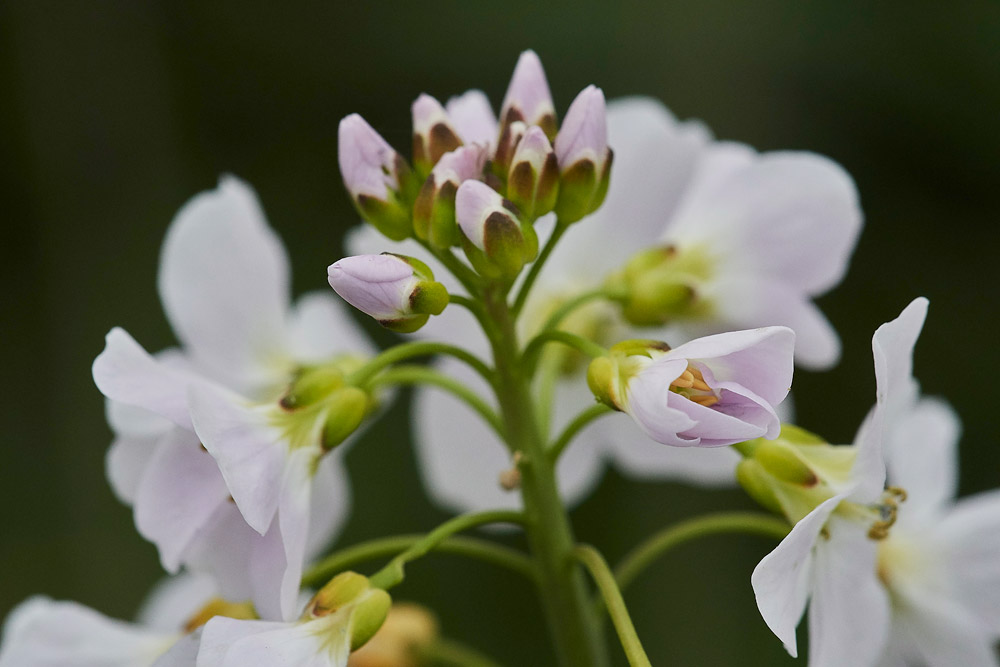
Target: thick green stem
{"x": 659, "y": 543}
{"x": 599, "y": 570}
{"x": 384, "y": 547}
{"x": 394, "y": 571}
{"x": 575, "y": 626}
{"x": 401, "y": 375}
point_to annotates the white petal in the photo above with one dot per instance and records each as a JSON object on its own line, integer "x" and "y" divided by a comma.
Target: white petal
{"x": 745, "y": 301}
{"x": 321, "y": 328}
{"x": 227, "y": 642}
{"x": 935, "y": 631}
{"x": 44, "y": 633}
{"x": 849, "y": 609}
{"x": 277, "y": 560}
{"x": 178, "y": 494}
{"x": 460, "y": 457}
{"x": 248, "y": 449}
{"x": 921, "y": 456}
{"x": 972, "y": 535}
{"x": 781, "y": 581}
{"x": 183, "y": 654}
{"x": 331, "y": 502}
{"x": 125, "y": 462}
{"x": 224, "y": 284}
{"x": 126, "y": 373}
{"x": 174, "y": 600}
{"x": 654, "y": 407}
{"x": 223, "y": 551}
{"x": 792, "y": 216}
{"x": 892, "y": 347}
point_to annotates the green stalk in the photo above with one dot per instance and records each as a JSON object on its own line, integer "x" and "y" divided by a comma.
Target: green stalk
{"x": 412, "y": 349}
{"x": 599, "y": 570}
{"x": 656, "y": 545}
{"x": 536, "y": 268}
{"x": 573, "y": 622}
{"x": 578, "y": 424}
{"x": 469, "y": 547}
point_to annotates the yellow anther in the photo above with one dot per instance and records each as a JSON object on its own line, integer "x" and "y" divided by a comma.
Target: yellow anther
{"x": 700, "y": 384}
{"x": 708, "y": 400}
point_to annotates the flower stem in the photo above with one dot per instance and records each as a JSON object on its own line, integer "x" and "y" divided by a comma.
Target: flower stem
{"x": 470, "y": 547}
{"x": 575, "y": 626}
{"x": 605, "y": 580}
{"x": 642, "y": 556}
{"x": 394, "y": 571}
{"x": 584, "y": 345}
{"x": 536, "y": 268}
{"x": 412, "y": 349}
{"x": 579, "y": 423}
{"x": 560, "y": 313}
{"x": 401, "y": 375}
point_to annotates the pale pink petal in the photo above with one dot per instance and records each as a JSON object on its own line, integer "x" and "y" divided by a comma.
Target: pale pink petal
{"x": 528, "y": 90}
{"x": 174, "y": 600}
{"x": 178, "y": 494}
{"x": 584, "y": 132}
{"x": 367, "y": 162}
{"x": 849, "y": 609}
{"x": 224, "y": 284}
{"x": 377, "y": 285}
{"x": 473, "y": 118}
{"x": 653, "y": 406}
{"x": 320, "y": 327}
{"x": 227, "y": 642}
{"x": 971, "y": 533}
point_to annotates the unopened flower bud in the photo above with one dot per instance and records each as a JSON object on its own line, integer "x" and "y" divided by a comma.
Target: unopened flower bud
{"x": 528, "y": 98}
{"x": 662, "y": 284}
{"x": 496, "y": 242}
{"x": 407, "y": 630}
{"x": 584, "y": 157}
{"x": 433, "y": 133}
{"x": 398, "y": 291}
{"x": 349, "y": 591}
{"x": 434, "y": 210}
{"x": 312, "y": 385}
{"x": 378, "y": 179}
{"x": 347, "y": 407}
{"x": 472, "y": 117}
{"x": 510, "y": 137}
{"x": 533, "y": 179}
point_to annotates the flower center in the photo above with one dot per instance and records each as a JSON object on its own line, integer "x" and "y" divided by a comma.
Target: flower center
{"x": 888, "y": 510}
{"x": 692, "y": 386}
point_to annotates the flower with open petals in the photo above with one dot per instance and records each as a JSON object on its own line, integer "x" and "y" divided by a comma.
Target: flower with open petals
{"x": 224, "y": 283}
{"x": 711, "y": 392}
{"x": 828, "y": 560}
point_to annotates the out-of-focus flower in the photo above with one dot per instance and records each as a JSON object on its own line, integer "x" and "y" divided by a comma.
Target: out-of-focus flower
{"x": 342, "y": 616}
{"x": 710, "y": 392}
{"x": 407, "y": 630}
{"x": 829, "y": 558}
{"x": 224, "y": 283}
{"x": 398, "y": 291}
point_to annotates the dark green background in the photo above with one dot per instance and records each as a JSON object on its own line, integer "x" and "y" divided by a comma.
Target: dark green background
{"x": 113, "y": 114}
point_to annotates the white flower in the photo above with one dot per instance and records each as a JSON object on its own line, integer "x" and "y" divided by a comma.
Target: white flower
{"x": 224, "y": 283}
{"x": 41, "y": 632}
{"x": 828, "y": 560}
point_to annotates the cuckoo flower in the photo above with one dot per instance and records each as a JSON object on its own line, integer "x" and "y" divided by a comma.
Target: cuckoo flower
{"x": 939, "y": 564}
{"x": 224, "y": 283}
{"x": 45, "y": 633}
{"x": 528, "y": 98}
{"x": 711, "y": 392}
{"x": 828, "y": 560}
{"x": 342, "y": 616}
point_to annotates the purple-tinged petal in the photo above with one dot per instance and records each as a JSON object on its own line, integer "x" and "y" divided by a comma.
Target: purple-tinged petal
{"x": 472, "y": 116}
{"x": 584, "y": 132}
{"x": 462, "y": 164}
{"x": 367, "y": 162}
{"x": 174, "y": 600}
{"x": 651, "y": 403}
{"x": 971, "y": 532}
{"x": 528, "y": 97}
{"x": 474, "y": 203}
{"x": 248, "y": 448}
{"x": 378, "y": 285}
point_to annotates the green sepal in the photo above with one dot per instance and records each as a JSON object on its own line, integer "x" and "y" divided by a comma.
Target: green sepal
{"x": 348, "y": 406}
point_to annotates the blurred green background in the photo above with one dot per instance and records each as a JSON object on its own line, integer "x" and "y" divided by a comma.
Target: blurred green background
{"x": 115, "y": 113}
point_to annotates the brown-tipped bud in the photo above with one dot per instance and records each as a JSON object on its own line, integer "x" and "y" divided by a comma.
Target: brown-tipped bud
{"x": 528, "y": 98}
{"x": 510, "y": 137}
{"x": 496, "y": 242}
{"x": 433, "y": 134}
{"x": 434, "y": 209}
{"x": 584, "y": 156}
{"x": 533, "y": 179}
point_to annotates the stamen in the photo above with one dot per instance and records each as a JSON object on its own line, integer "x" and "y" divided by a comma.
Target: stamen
{"x": 700, "y": 384}
{"x": 889, "y": 509}
{"x": 708, "y": 400}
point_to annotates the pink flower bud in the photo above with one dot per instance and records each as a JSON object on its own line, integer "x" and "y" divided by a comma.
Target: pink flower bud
{"x": 584, "y": 132}
{"x": 434, "y": 209}
{"x": 528, "y": 98}
{"x": 472, "y": 116}
{"x": 495, "y": 241}
{"x": 433, "y": 133}
{"x": 533, "y": 179}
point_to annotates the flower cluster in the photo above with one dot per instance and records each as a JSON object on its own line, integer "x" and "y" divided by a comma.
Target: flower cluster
{"x": 649, "y": 316}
